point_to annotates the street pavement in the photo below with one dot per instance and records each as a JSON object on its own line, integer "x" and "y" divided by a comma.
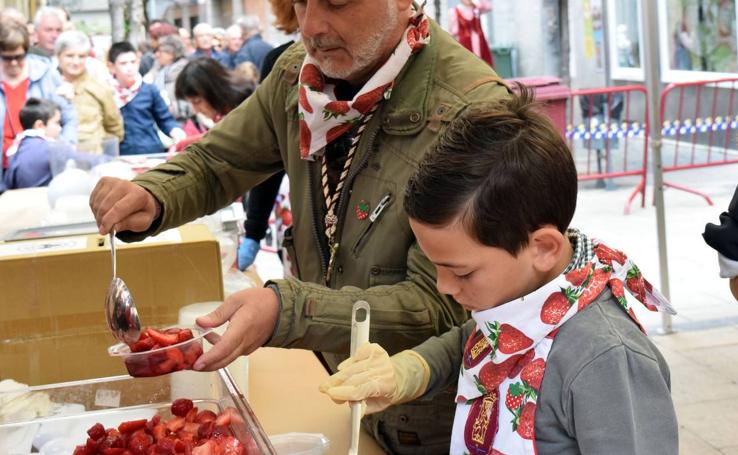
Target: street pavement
{"x": 702, "y": 350}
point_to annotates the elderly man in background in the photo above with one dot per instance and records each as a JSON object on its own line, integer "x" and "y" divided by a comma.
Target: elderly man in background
{"x": 254, "y": 48}
{"x": 349, "y": 112}
{"x": 49, "y": 23}
{"x": 97, "y": 114}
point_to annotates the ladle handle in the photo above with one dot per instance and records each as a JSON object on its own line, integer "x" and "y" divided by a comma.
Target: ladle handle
{"x": 112, "y": 252}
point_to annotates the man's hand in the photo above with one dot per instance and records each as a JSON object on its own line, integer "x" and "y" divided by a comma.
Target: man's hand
{"x": 252, "y": 313}
{"x": 123, "y": 206}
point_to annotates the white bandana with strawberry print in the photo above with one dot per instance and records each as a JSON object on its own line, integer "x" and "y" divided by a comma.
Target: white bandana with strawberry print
{"x": 323, "y": 118}
{"x": 505, "y": 358}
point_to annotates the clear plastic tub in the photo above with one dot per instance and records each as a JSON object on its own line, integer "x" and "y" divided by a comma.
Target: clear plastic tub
{"x": 164, "y": 360}
{"x": 76, "y": 406}
{"x": 300, "y": 443}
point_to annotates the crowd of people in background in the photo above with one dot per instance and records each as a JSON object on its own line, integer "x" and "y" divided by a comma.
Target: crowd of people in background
{"x": 107, "y": 104}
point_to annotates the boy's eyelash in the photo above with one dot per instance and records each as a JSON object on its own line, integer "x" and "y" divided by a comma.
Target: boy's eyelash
{"x": 465, "y": 276}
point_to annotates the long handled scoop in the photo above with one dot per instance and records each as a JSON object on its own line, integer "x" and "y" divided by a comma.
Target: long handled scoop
{"x": 120, "y": 309}
{"x": 359, "y": 337}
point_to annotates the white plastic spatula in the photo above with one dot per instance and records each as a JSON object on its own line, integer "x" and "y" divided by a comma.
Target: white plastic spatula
{"x": 359, "y": 337}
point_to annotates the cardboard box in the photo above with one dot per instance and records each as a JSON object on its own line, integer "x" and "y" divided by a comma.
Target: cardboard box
{"x": 52, "y": 294}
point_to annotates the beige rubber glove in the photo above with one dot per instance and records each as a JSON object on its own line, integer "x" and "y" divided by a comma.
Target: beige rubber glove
{"x": 373, "y": 376}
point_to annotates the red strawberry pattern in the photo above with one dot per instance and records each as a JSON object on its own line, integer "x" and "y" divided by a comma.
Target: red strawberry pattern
{"x": 325, "y": 116}
{"x": 514, "y": 360}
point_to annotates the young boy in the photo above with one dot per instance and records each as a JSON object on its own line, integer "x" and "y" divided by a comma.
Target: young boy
{"x": 553, "y": 360}
{"x": 140, "y": 104}
{"x": 36, "y": 155}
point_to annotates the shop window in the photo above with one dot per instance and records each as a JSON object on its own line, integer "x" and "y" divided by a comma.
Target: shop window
{"x": 698, "y": 39}
{"x": 624, "y": 33}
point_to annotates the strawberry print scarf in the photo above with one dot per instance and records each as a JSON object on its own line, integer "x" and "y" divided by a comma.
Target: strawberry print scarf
{"x": 323, "y": 118}
{"x": 123, "y": 95}
{"x": 505, "y": 358}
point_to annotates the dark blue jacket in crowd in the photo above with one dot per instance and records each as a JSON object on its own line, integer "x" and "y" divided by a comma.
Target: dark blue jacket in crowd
{"x": 253, "y": 50}
{"x": 141, "y": 115}
{"x": 38, "y": 160}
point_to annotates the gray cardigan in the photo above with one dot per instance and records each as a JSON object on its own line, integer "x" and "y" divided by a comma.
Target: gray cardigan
{"x": 605, "y": 389}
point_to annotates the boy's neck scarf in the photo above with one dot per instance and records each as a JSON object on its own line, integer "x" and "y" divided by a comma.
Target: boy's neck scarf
{"x": 505, "y": 358}
{"x": 13, "y": 149}
{"x": 124, "y": 95}
{"x": 323, "y": 118}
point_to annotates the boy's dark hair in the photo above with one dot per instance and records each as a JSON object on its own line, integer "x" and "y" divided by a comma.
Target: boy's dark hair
{"x": 121, "y": 47}
{"x": 502, "y": 169}
{"x": 37, "y": 109}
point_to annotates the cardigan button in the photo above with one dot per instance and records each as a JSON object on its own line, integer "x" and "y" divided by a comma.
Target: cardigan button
{"x": 374, "y": 270}
{"x": 415, "y": 117}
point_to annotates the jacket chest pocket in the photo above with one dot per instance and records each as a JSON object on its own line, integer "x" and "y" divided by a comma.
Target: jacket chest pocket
{"x": 373, "y": 219}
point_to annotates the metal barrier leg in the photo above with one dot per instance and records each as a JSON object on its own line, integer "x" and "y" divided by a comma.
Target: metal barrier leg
{"x": 689, "y": 190}
{"x": 641, "y": 188}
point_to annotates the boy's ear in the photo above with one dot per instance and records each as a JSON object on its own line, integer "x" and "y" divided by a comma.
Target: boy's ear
{"x": 38, "y": 125}
{"x": 547, "y": 246}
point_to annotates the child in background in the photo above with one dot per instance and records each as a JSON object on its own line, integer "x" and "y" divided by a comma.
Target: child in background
{"x": 724, "y": 239}
{"x": 553, "y": 360}
{"x": 36, "y": 155}
{"x": 140, "y": 104}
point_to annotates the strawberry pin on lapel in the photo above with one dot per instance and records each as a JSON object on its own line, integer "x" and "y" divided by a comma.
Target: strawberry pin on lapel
{"x": 362, "y": 210}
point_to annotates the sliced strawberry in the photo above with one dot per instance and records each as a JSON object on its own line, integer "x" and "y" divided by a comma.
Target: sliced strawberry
{"x": 232, "y": 446}
{"x": 159, "y": 432}
{"x": 96, "y": 431}
{"x": 166, "y": 446}
{"x": 205, "y": 416}
{"x": 193, "y": 352}
{"x": 209, "y": 448}
{"x": 206, "y": 430}
{"x": 175, "y": 424}
{"x": 184, "y": 335}
{"x": 143, "y": 344}
{"x": 139, "y": 442}
{"x": 164, "y": 339}
{"x": 131, "y": 426}
{"x": 113, "y": 451}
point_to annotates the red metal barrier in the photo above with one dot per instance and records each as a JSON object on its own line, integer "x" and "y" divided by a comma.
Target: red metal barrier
{"x": 697, "y": 119}
{"x": 609, "y": 124}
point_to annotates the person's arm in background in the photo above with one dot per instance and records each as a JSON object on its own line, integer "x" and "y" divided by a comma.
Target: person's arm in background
{"x": 453, "y": 23}
{"x": 68, "y": 119}
{"x": 724, "y": 239}
{"x": 164, "y": 119}
{"x": 484, "y": 6}
{"x": 112, "y": 120}
{"x": 258, "y": 205}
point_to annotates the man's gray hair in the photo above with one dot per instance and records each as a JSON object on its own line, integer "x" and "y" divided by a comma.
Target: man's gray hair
{"x": 49, "y": 11}
{"x": 72, "y": 39}
{"x": 173, "y": 44}
{"x": 202, "y": 27}
{"x": 250, "y": 25}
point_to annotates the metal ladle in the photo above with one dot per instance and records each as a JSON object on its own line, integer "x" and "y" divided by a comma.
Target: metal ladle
{"x": 120, "y": 309}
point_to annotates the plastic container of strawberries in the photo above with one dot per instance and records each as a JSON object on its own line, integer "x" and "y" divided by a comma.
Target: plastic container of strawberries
{"x": 163, "y": 360}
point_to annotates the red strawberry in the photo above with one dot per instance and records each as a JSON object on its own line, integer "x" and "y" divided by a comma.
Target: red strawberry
{"x": 162, "y": 338}
{"x": 532, "y": 374}
{"x": 175, "y": 424}
{"x": 337, "y": 131}
{"x": 312, "y": 77}
{"x": 636, "y": 284}
{"x": 305, "y": 139}
{"x": 184, "y": 335}
{"x": 515, "y": 396}
{"x": 555, "y": 307}
{"x": 595, "y": 286}
{"x": 492, "y": 374}
{"x": 510, "y": 339}
{"x": 303, "y": 100}
{"x": 578, "y": 276}
{"x": 131, "y": 426}
{"x": 335, "y": 109}
{"x": 205, "y": 416}
{"x": 606, "y": 254}
{"x": 181, "y": 407}
{"x": 143, "y": 344}
{"x": 366, "y": 102}
{"x": 523, "y": 360}
{"x": 526, "y": 427}
{"x": 96, "y": 431}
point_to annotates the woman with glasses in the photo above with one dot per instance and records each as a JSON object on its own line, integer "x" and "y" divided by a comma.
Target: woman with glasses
{"x": 170, "y": 60}
{"x": 25, "y": 76}
{"x": 99, "y": 117}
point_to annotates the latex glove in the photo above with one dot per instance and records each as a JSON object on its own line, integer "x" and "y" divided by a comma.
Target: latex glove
{"x": 247, "y": 253}
{"x": 380, "y": 380}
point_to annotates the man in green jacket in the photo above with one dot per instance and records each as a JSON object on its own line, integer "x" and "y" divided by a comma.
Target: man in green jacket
{"x": 348, "y": 112}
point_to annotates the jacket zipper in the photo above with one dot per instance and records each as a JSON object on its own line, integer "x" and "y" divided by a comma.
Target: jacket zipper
{"x": 383, "y": 203}
{"x": 322, "y": 248}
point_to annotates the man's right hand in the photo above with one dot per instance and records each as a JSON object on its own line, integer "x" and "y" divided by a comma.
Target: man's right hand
{"x": 121, "y": 205}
